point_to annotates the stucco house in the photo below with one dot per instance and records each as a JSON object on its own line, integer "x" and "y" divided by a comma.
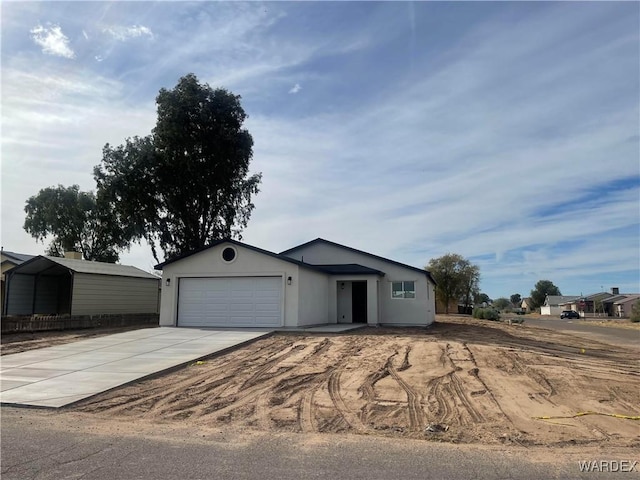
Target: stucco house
{"x": 72, "y": 286}
{"x": 621, "y": 305}
{"x": 232, "y": 284}
{"x": 554, "y": 304}
{"x": 526, "y": 305}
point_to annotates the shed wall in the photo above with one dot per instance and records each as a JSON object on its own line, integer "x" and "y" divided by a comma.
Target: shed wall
{"x": 20, "y": 295}
{"x": 105, "y": 294}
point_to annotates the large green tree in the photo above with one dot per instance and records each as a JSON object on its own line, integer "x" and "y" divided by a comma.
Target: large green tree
{"x": 516, "y": 299}
{"x": 481, "y": 298}
{"x": 541, "y": 290}
{"x": 187, "y": 183}
{"x": 502, "y": 303}
{"x": 75, "y": 222}
{"x": 456, "y": 278}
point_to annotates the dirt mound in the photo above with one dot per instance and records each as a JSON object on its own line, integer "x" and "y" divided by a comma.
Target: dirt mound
{"x": 460, "y": 381}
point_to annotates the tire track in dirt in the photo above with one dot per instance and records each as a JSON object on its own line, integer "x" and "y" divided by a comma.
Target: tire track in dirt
{"x": 367, "y": 387}
{"x": 305, "y": 416}
{"x": 435, "y": 395}
{"x": 414, "y": 406}
{"x": 261, "y": 382}
{"x": 539, "y": 378}
{"x": 405, "y": 362}
{"x": 261, "y": 373}
{"x": 247, "y": 394}
{"x": 475, "y": 372}
{"x": 353, "y": 420}
{"x": 456, "y": 383}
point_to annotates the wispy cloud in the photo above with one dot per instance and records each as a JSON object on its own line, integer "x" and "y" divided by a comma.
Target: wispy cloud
{"x": 504, "y": 137}
{"x": 52, "y": 40}
{"x": 123, "y": 33}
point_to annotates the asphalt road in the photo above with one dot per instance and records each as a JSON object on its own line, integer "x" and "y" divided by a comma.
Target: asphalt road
{"x": 585, "y": 328}
{"x": 40, "y": 446}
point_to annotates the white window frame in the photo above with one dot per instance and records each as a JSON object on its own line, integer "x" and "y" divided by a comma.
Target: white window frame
{"x": 404, "y": 290}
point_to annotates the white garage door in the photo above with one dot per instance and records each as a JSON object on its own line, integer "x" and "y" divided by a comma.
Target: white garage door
{"x": 230, "y": 302}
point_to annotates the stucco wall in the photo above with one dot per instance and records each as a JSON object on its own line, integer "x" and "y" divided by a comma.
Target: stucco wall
{"x": 344, "y": 298}
{"x": 415, "y": 311}
{"x": 209, "y": 263}
{"x": 552, "y": 310}
{"x": 314, "y": 292}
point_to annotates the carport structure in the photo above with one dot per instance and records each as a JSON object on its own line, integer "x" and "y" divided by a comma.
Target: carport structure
{"x": 56, "y": 286}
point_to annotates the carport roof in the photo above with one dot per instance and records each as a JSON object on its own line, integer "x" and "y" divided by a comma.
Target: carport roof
{"x": 42, "y": 262}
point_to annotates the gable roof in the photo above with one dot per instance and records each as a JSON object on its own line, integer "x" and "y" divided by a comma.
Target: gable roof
{"x": 551, "y": 300}
{"x": 598, "y": 296}
{"x": 624, "y": 298}
{"x": 327, "y": 242}
{"x": 16, "y": 258}
{"x": 240, "y": 244}
{"x": 41, "y": 262}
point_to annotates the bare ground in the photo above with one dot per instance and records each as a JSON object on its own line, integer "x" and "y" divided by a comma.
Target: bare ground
{"x": 482, "y": 382}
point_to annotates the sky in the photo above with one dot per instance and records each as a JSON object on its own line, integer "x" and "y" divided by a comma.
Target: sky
{"x": 506, "y": 132}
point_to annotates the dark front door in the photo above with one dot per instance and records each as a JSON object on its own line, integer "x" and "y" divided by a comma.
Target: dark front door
{"x": 359, "y": 302}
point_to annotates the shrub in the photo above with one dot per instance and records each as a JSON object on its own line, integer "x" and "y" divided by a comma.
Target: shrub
{"x": 486, "y": 314}
{"x": 491, "y": 314}
{"x": 635, "y": 312}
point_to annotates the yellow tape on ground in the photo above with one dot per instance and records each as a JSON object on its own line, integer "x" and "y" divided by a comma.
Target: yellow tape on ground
{"x": 582, "y": 414}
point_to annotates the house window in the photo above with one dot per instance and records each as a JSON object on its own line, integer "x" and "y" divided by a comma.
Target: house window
{"x": 403, "y": 290}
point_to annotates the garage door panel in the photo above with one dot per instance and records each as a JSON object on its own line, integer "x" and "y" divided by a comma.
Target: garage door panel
{"x": 230, "y": 301}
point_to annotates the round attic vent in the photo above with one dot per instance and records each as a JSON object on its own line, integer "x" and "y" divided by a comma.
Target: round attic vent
{"x": 229, "y": 254}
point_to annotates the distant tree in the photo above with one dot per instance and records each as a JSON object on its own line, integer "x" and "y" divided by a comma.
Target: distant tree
{"x": 515, "y": 299}
{"x": 635, "y": 312}
{"x": 470, "y": 283}
{"x": 541, "y": 290}
{"x": 455, "y": 276}
{"x": 187, "y": 184}
{"x": 502, "y": 303}
{"x": 481, "y": 298}
{"x": 75, "y": 222}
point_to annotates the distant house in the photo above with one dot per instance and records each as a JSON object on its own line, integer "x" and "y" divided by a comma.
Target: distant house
{"x": 525, "y": 305}
{"x": 8, "y": 261}
{"x": 554, "y": 304}
{"x": 620, "y": 305}
{"x": 56, "y": 286}
{"x": 590, "y": 304}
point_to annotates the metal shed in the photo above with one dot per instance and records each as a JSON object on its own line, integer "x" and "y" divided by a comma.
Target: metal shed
{"x": 52, "y": 285}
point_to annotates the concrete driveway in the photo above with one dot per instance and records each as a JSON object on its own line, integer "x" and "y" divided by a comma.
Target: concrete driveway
{"x": 64, "y": 374}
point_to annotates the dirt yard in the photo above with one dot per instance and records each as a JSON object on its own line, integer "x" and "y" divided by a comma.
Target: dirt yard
{"x": 461, "y": 381}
